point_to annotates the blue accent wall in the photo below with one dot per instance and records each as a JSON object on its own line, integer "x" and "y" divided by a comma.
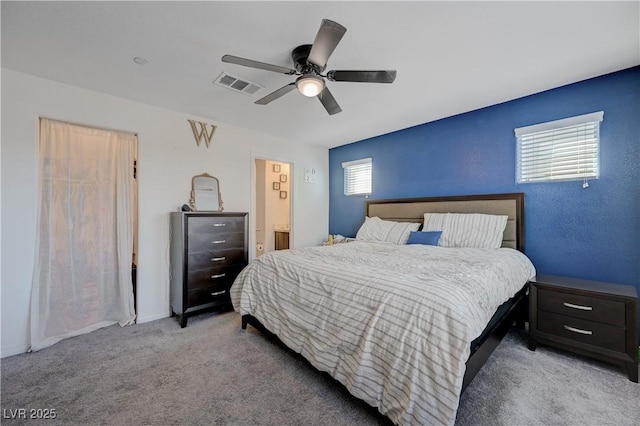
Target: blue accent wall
{"x": 591, "y": 233}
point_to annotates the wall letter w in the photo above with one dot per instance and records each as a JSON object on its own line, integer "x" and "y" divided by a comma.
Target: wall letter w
{"x": 202, "y": 133}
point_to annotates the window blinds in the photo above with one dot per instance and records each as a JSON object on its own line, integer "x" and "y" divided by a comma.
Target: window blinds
{"x": 565, "y": 149}
{"x": 357, "y": 177}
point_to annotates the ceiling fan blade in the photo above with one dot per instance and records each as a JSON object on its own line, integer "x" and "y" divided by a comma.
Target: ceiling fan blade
{"x": 329, "y": 102}
{"x": 275, "y": 95}
{"x": 255, "y": 64}
{"x": 327, "y": 38}
{"x": 363, "y": 76}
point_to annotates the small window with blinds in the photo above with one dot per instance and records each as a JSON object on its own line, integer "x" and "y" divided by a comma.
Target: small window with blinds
{"x": 357, "y": 177}
{"x": 559, "y": 150}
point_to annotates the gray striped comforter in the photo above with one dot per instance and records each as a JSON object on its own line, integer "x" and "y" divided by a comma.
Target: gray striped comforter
{"x": 393, "y": 323}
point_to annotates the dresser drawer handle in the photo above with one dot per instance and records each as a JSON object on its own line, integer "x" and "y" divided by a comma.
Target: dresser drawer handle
{"x": 218, "y": 259}
{"x": 218, "y": 242}
{"x": 219, "y": 224}
{"x": 577, "y": 330}
{"x": 218, "y": 293}
{"x": 582, "y": 308}
{"x": 218, "y": 276}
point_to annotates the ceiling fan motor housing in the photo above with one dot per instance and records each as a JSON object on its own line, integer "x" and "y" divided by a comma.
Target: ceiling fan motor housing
{"x": 300, "y": 55}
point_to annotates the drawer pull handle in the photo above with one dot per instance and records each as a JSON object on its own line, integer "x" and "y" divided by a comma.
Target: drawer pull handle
{"x": 218, "y": 293}
{"x": 218, "y": 276}
{"x": 219, "y": 224}
{"x": 218, "y": 242}
{"x": 582, "y": 308}
{"x": 218, "y": 259}
{"x": 577, "y": 330}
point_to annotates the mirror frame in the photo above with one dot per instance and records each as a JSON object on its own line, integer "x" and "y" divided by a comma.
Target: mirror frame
{"x": 193, "y": 202}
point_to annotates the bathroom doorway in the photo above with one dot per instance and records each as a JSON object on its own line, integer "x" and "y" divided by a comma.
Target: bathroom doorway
{"x": 273, "y": 205}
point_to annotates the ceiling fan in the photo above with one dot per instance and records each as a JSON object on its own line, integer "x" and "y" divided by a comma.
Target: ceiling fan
{"x": 310, "y": 60}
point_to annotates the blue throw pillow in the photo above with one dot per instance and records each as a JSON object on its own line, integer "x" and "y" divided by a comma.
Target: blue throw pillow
{"x": 422, "y": 237}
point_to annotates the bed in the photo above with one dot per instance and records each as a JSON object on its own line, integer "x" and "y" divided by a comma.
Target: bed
{"x": 404, "y": 327}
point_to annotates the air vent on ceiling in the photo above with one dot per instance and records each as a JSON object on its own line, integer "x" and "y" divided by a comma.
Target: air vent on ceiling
{"x": 237, "y": 84}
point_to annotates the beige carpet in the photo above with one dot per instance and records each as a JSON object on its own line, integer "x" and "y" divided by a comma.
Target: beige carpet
{"x": 214, "y": 373}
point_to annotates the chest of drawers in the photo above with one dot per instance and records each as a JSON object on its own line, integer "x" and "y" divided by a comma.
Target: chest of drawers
{"x": 592, "y": 318}
{"x": 208, "y": 251}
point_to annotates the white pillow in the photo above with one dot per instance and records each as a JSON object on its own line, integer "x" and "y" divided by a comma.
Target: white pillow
{"x": 467, "y": 229}
{"x": 376, "y": 229}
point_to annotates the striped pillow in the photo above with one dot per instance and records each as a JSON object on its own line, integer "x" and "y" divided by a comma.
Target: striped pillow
{"x": 379, "y": 230}
{"x": 467, "y": 229}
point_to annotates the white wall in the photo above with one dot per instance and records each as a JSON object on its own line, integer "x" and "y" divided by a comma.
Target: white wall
{"x": 167, "y": 158}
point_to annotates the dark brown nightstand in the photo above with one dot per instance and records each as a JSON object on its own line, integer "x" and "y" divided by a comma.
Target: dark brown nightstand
{"x": 591, "y": 318}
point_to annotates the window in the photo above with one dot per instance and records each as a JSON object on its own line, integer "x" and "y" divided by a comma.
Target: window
{"x": 357, "y": 177}
{"x": 559, "y": 150}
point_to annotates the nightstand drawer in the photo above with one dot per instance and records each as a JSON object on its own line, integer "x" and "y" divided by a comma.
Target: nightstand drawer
{"x": 580, "y": 306}
{"x": 592, "y": 333}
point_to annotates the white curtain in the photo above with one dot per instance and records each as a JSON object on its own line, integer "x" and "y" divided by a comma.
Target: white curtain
{"x": 84, "y": 239}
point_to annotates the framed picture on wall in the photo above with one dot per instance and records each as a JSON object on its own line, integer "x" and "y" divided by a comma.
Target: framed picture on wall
{"x": 276, "y": 168}
{"x": 283, "y": 194}
{"x": 283, "y": 178}
{"x": 276, "y": 185}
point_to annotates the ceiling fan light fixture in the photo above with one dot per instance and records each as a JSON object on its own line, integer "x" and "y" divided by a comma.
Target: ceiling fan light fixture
{"x": 310, "y": 85}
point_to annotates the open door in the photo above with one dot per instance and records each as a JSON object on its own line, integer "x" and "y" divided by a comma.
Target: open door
{"x": 273, "y": 206}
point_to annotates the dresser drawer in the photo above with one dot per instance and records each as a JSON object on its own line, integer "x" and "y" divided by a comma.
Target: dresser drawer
{"x": 214, "y": 278}
{"x": 219, "y": 241}
{"x": 215, "y": 224}
{"x": 215, "y": 259}
{"x": 579, "y": 330}
{"x": 202, "y": 296}
{"x": 580, "y": 306}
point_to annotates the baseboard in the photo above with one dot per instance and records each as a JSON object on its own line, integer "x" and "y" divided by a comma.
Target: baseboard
{"x": 153, "y": 317}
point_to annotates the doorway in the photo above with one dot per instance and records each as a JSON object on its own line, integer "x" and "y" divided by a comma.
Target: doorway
{"x": 85, "y": 235}
{"x": 273, "y": 205}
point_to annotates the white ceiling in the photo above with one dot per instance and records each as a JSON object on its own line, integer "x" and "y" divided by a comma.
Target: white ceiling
{"x": 451, "y": 57}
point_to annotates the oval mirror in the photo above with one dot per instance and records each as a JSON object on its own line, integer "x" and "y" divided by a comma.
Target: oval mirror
{"x": 205, "y": 193}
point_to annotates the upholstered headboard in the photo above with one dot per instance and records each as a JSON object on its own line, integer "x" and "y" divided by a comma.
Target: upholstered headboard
{"x": 413, "y": 210}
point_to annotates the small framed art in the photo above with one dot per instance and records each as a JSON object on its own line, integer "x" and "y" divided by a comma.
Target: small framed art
{"x": 283, "y": 178}
{"x": 276, "y": 168}
{"x": 276, "y": 185}
{"x": 283, "y": 194}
